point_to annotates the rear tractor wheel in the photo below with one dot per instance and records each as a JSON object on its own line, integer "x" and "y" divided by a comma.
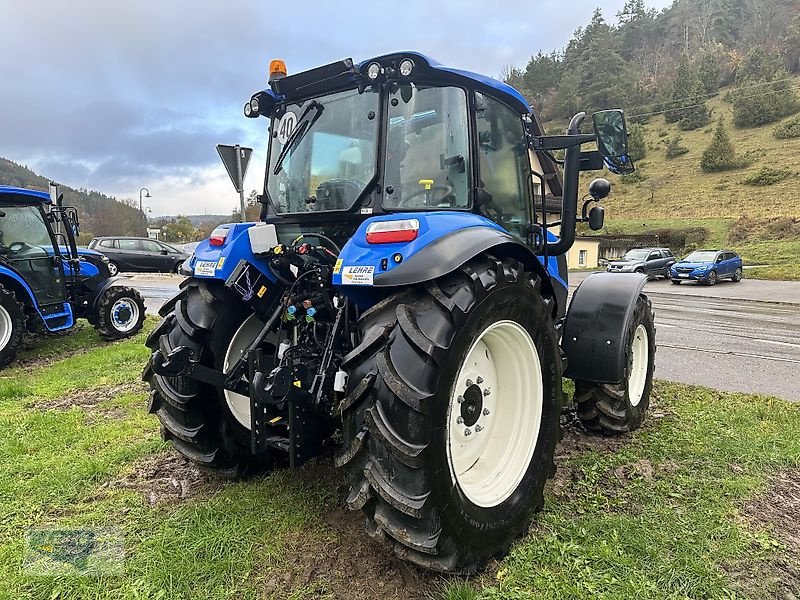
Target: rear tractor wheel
{"x": 452, "y": 414}
{"x": 120, "y": 312}
{"x": 621, "y": 407}
{"x": 208, "y": 425}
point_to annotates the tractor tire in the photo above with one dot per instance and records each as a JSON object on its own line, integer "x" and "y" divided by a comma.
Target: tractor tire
{"x": 195, "y": 417}
{"x": 619, "y": 408}
{"x": 12, "y": 325}
{"x": 120, "y": 313}
{"x": 413, "y": 393}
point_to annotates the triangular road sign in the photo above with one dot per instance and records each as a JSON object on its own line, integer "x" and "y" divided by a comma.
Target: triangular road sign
{"x": 228, "y": 156}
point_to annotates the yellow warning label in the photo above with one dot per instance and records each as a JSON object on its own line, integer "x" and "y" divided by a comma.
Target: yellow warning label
{"x": 262, "y": 290}
{"x": 297, "y": 383}
{"x": 275, "y": 420}
{"x": 338, "y": 266}
{"x": 220, "y": 262}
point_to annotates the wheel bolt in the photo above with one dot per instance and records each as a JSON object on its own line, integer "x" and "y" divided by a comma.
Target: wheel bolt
{"x": 467, "y": 431}
{"x": 487, "y": 392}
{"x": 479, "y": 379}
{"x": 460, "y": 420}
{"x": 460, "y": 399}
{"x": 478, "y": 428}
{"x": 486, "y": 412}
{"x": 469, "y": 382}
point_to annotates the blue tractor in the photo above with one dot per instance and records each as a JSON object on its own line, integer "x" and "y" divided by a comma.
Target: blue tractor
{"x": 403, "y": 303}
{"x": 46, "y": 282}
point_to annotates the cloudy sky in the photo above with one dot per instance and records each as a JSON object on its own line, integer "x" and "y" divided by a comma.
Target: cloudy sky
{"x": 114, "y": 95}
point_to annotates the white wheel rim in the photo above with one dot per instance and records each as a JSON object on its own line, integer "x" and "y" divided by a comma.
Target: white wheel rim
{"x": 238, "y": 404}
{"x": 6, "y": 327}
{"x": 112, "y": 268}
{"x": 490, "y": 461}
{"x": 640, "y": 350}
{"x": 124, "y": 314}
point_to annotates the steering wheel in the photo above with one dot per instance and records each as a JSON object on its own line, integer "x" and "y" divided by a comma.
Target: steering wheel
{"x": 442, "y": 187}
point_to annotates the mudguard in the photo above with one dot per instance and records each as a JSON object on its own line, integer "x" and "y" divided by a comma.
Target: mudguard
{"x": 446, "y": 240}
{"x": 25, "y": 294}
{"x": 18, "y": 284}
{"x": 219, "y": 262}
{"x": 594, "y": 332}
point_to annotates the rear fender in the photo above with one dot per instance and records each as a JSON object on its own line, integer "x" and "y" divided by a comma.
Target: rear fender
{"x": 594, "y": 331}
{"x": 14, "y": 281}
{"x": 219, "y": 262}
{"x": 446, "y": 240}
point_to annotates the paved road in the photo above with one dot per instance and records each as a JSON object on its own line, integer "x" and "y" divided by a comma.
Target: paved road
{"x": 725, "y": 337}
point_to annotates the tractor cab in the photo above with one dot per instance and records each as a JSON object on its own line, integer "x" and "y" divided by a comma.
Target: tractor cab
{"x": 29, "y": 248}
{"x": 401, "y": 133}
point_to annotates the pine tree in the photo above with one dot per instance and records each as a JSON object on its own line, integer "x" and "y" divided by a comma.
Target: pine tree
{"x": 708, "y": 71}
{"x": 720, "y": 154}
{"x": 682, "y": 90}
{"x": 696, "y": 114}
{"x": 637, "y": 148}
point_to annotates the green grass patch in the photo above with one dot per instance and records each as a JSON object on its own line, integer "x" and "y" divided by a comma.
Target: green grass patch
{"x": 657, "y": 518}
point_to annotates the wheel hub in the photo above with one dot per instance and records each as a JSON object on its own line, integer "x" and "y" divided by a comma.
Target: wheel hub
{"x": 472, "y": 406}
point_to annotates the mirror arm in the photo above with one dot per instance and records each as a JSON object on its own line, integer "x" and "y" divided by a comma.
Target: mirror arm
{"x": 569, "y": 199}
{"x": 547, "y": 143}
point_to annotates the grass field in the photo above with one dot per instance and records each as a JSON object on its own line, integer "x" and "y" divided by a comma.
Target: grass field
{"x": 701, "y": 503}
{"x": 677, "y": 194}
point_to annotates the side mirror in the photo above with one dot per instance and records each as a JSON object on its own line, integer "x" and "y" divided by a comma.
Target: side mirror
{"x": 612, "y": 140}
{"x": 611, "y": 134}
{"x": 596, "y": 217}
{"x": 164, "y": 251}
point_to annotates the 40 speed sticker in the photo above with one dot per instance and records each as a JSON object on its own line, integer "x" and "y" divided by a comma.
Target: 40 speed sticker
{"x": 357, "y": 275}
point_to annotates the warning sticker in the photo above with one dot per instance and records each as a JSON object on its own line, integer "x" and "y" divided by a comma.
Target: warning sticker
{"x": 357, "y": 275}
{"x": 205, "y": 268}
{"x": 220, "y": 262}
{"x": 338, "y": 266}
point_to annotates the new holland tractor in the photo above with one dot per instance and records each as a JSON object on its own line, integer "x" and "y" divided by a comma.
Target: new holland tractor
{"x": 47, "y": 282}
{"x": 403, "y": 303}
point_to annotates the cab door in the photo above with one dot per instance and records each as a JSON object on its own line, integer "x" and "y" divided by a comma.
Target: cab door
{"x": 27, "y": 246}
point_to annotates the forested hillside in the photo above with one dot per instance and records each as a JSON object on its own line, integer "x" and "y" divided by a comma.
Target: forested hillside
{"x": 711, "y": 91}
{"x": 99, "y": 214}
{"x": 649, "y": 62}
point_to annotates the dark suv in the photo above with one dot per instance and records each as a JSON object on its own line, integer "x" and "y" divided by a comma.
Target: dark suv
{"x": 138, "y": 254}
{"x": 653, "y": 262}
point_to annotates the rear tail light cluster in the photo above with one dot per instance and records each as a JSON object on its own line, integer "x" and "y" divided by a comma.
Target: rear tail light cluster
{"x": 218, "y": 236}
{"x": 392, "y": 232}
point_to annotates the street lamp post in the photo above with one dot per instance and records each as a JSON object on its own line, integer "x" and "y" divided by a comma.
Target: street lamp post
{"x": 147, "y": 195}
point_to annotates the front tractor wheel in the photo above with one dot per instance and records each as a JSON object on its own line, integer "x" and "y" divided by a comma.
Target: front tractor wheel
{"x": 452, "y": 414}
{"x": 621, "y": 407}
{"x": 120, "y": 312}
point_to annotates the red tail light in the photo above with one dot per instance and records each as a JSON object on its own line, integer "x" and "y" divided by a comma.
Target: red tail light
{"x": 392, "y": 232}
{"x": 218, "y": 236}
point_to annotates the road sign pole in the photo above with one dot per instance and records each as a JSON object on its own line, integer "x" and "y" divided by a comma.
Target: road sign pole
{"x": 240, "y": 178}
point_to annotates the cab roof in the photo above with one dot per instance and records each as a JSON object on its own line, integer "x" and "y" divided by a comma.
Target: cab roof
{"x": 343, "y": 73}
{"x": 10, "y": 194}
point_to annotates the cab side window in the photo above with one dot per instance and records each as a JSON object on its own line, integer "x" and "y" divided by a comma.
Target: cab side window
{"x": 504, "y": 168}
